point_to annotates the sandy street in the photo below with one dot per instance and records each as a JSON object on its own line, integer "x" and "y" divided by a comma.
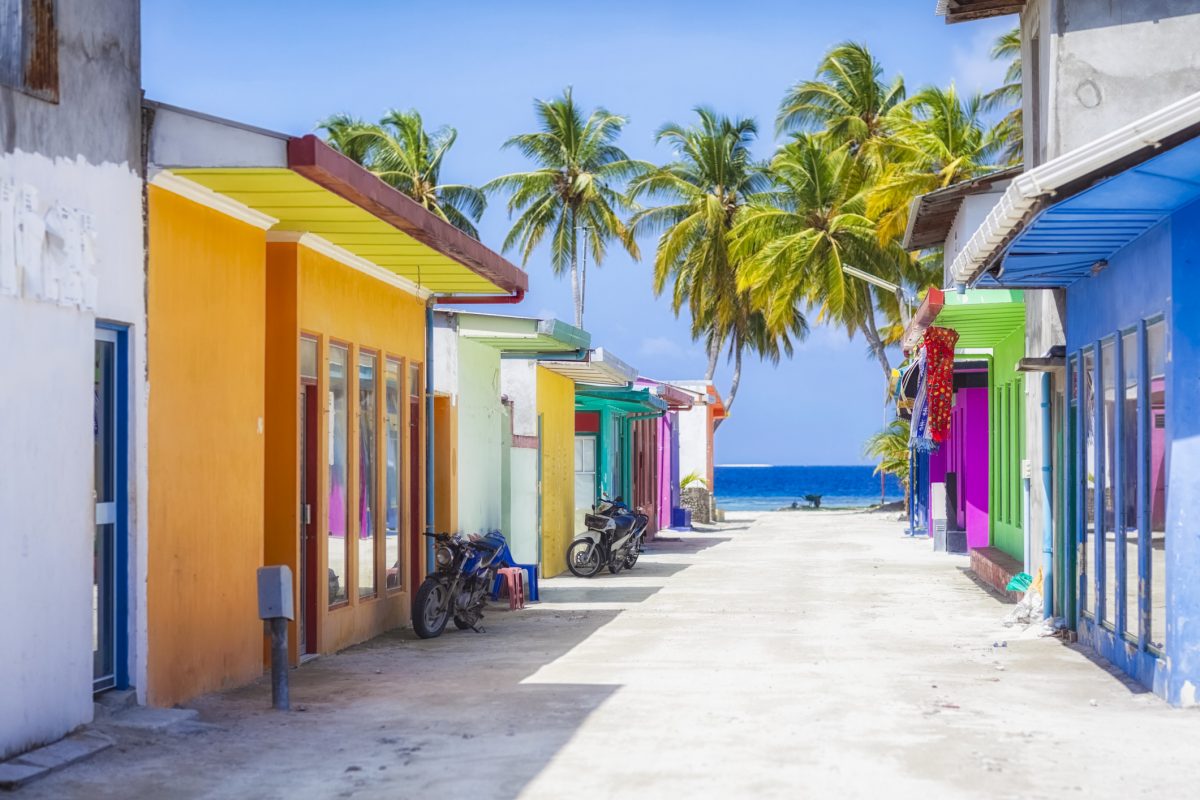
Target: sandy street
{"x": 789, "y": 655}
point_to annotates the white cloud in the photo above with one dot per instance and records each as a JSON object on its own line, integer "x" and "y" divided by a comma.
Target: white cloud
{"x": 974, "y": 70}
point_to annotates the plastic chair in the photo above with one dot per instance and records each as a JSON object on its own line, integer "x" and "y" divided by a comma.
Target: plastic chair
{"x": 514, "y": 581}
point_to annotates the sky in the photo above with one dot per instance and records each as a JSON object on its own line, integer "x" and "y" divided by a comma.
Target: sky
{"x": 477, "y": 66}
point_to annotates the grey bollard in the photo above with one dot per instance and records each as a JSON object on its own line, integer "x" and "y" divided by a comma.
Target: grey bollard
{"x": 275, "y": 608}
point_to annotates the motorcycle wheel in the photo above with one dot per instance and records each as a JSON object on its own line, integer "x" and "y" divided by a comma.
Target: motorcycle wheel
{"x": 462, "y": 624}
{"x": 431, "y": 609}
{"x": 615, "y": 566}
{"x": 631, "y": 559}
{"x": 583, "y": 559}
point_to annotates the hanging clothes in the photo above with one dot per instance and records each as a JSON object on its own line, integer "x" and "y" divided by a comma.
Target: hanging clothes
{"x": 938, "y": 344}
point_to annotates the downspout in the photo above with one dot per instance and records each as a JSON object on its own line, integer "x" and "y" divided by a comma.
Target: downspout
{"x": 430, "y": 480}
{"x": 1048, "y": 505}
{"x": 568, "y": 355}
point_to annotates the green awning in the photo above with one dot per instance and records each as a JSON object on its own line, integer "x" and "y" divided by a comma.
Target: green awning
{"x": 626, "y": 401}
{"x": 513, "y": 334}
{"x": 982, "y": 317}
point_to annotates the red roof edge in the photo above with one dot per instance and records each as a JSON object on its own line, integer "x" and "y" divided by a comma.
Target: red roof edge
{"x": 314, "y": 159}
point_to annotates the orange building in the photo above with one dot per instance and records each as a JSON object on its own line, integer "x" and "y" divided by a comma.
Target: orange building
{"x": 289, "y": 302}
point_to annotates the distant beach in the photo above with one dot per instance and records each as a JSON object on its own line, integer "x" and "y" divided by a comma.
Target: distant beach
{"x": 762, "y": 487}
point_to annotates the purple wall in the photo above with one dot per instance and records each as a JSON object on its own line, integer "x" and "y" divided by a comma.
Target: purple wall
{"x": 965, "y": 453}
{"x": 968, "y": 459}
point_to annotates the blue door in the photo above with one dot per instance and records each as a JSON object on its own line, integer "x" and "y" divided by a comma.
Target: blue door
{"x": 109, "y": 574}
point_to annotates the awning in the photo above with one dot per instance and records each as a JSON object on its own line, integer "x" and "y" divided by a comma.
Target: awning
{"x": 625, "y": 401}
{"x": 1155, "y": 154}
{"x": 302, "y": 186}
{"x": 982, "y": 317}
{"x": 676, "y": 399}
{"x": 599, "y": 368}
{"x": 930, "y": 215}
{"x": 966, "y": 10}
{"x": 709, "y": 394}
{"x": 1076, "y": 237}
{"x": 514, "y": 334}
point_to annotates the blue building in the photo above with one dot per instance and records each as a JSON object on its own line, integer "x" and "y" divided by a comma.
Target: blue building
{"x": 1114, "y": 226}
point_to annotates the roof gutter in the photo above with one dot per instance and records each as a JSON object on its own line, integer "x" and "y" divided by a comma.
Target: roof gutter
{"x": 1024, "y": 195}
{"x": 482, "y": 299}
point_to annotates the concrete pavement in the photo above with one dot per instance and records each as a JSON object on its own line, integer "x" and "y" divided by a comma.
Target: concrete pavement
{"x": 780, "y": 656}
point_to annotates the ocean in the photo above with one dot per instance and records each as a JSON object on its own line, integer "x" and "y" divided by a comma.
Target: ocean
{"x": 767, "y": 488}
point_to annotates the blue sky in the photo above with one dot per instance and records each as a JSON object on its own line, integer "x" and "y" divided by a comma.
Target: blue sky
{"x": 478, "y": 65}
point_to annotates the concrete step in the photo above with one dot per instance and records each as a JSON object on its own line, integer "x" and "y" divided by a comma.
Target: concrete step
{"x": 146, "y": 718}
{"x": 38, "y": 763}
{"x": 114, "y": 702}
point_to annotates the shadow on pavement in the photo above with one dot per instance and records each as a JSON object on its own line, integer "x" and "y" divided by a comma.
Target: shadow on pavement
{"x": 599, "y": 592}
{"x": 395, "y": 717}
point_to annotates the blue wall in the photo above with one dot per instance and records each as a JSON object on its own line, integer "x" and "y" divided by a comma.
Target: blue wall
{"x": 1135, "y": 285}
{"x": 1183, "y": 462}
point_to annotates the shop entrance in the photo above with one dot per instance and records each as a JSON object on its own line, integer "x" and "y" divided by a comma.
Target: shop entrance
{"x": 309, "y": 416}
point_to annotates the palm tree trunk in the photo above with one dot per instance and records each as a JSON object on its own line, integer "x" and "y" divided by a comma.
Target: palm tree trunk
{"x": 905, "y": 317}
{"x": 576, "y": 288}
{"x": 714, "y": 353}
{"x": 875, "y": 342}
{"x": 733, "y": 386}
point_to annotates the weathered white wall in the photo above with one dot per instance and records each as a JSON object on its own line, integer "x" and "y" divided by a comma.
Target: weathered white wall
{"x": 693, "y": 442}
{"x": 519, "y": 384}
{"x": 971, "y": 213}
{"x": 46, "y": 437}
{"x": 479, "y": 501}
{"x": 1103, "y": 64}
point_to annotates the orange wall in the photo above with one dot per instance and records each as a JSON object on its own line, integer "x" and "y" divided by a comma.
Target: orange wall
{"x": 206, "y": 358}
{"x": 337, "y": 303}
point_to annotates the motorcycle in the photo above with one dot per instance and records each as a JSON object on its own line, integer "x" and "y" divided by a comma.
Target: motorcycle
{"x": 613, "y": 539}
{"x": 463, "y": 576}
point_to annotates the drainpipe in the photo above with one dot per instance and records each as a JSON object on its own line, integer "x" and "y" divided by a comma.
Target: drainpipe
{"x": 568, "y": 355}
{"x": 430, "y": 482}
{"x": 1048, "y": 505}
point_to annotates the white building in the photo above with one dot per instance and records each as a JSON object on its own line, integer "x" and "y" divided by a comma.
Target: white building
{"x": 73, "y": 369}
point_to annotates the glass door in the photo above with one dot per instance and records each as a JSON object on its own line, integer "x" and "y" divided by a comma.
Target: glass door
{"x": 104, "y": 553}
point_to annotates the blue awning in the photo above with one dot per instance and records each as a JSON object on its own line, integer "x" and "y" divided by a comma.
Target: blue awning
{"x": 1066, "y": 240}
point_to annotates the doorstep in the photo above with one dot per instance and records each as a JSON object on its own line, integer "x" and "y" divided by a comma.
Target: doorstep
{"x": 39, "y": 763}
{"x": 996, "y": 568}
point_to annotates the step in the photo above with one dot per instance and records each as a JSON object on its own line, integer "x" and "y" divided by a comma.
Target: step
{"x": 38, "y": 763}
{"x": 114, "y": 702}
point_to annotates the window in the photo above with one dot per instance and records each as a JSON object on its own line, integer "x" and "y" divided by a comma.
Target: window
{"x": 1106, "y": 565}
{"x": 1087, "y": 478}
{"x": 1156, "y": 365}
{"x": 368, "y": 474}
{"x": 1127, "y": 513}
{"x": 391, "y": 539}
{"x": 29, "y": 47}
{"x": 338, "y": 479}
{"x": 585, "y": 472}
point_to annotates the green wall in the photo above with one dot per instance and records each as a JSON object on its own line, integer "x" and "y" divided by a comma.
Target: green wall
{"x": 1006, "y": 440}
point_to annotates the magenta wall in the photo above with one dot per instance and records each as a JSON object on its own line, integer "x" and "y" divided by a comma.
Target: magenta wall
{"x": 967, "y": 457}
{"x": 666, "y": 472}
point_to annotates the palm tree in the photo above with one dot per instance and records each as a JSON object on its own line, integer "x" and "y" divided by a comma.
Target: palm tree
{"x": 890, "y": 446}
{"x": 703, "y": 191}
{"x": 939, "y": 139}
{"x": 796, "y": 238}
{"x": 849, "y": 101}
{"x": 1008, "y": 131}
{"x": 576, "y": 187}
{"x": 405, "y": 156}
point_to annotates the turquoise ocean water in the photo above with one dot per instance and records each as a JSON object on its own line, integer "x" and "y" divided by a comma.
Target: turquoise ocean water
{"x": 766, "y": 488}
